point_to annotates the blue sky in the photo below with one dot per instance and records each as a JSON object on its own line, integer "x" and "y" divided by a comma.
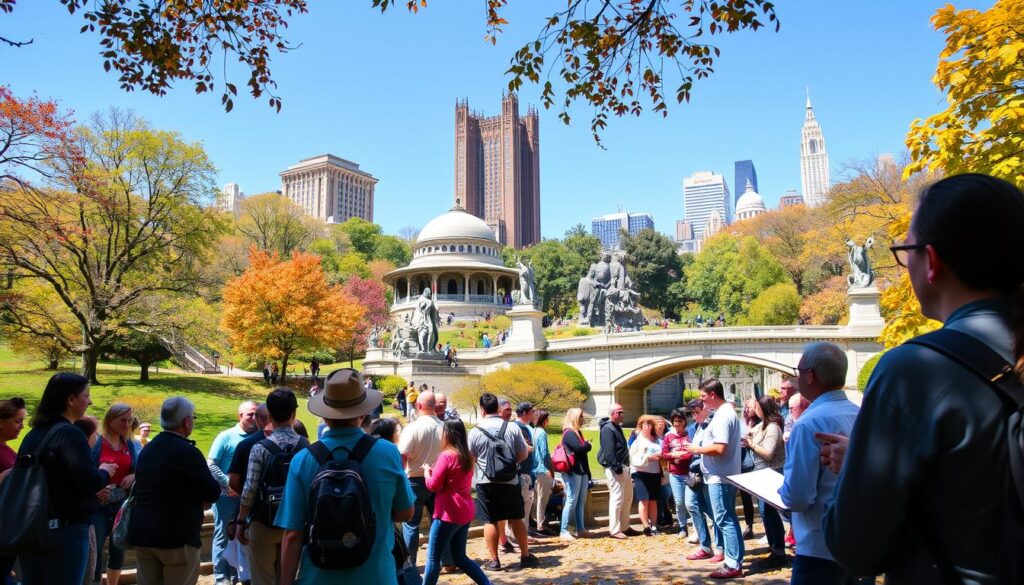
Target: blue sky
{"x": 380, "y": 90}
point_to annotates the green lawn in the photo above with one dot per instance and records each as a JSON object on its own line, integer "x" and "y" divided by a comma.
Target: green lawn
{"x": 216, "y": 397}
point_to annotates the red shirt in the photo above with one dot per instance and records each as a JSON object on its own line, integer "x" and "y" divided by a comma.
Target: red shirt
{"x": 122, "y": 458}
{"x": 7, "y": 457}
{"x": 673, "y": 442}
{"x": 451, "y": 484}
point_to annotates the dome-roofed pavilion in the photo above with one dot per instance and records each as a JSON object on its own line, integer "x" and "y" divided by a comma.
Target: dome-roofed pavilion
{"x": 458, "y": 257}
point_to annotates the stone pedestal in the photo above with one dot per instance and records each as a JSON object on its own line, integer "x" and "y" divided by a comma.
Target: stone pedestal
{"x": 527, "y": 329}
{"x": 865, "y": 311}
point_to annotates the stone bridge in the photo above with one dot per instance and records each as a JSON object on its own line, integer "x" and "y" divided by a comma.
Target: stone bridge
{"x": 620, "y": 366}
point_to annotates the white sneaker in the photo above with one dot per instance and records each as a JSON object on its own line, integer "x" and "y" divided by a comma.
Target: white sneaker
{"x": 693, "y": 539}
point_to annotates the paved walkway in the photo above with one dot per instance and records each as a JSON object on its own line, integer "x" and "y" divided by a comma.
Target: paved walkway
{"x": 603, "y": 561}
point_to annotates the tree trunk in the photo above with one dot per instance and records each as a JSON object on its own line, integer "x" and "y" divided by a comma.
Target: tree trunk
{"x": 53, "y": 365}
{"x": 284, "y": 369}
{"x": 143, "y": 372}
{"x": 90, "y": 357}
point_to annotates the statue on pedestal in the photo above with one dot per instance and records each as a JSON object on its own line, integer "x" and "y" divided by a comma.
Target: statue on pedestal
{"x": 404, "y": 343}
{"x": 427, "y": 323}
{"x": 861, "y": 274}
{"x": 527, "y": 284}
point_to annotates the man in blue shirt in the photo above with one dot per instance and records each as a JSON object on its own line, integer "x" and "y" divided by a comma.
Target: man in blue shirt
{"x": 808, "y": 486}
{"x": 225, "y": 509}
{"x": 343, "y": 404}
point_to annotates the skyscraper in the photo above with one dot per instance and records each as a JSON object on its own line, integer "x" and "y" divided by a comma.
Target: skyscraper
{"x": 704, "y": 193}
{"x": 230, "y": 198}
{"x": 743, "y": 171}
{"x": 608, "y": 228}
{"x": 814, "y": 174}
{"x": 497, "y": 170}
{"x": 330, "y": 188}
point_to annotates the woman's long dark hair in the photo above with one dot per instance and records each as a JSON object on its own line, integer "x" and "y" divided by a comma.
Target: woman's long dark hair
{"x": 384, "y": 428}
{"x": 55, "y": 397}
{"x": 770, "y": 410}
{"x": 976, "y": 225}
{"x": 455, "y": 437}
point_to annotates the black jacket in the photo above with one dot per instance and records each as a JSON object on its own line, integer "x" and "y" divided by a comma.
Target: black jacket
{"x": 613, "y": 452}
{"x": 579, "y": 449}
{"x": 71, "y": 475}
{"x": 927, "y": 455}
{"x": 173, "y": 485}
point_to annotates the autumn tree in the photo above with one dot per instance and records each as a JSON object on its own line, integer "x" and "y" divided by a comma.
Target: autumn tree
{"x": 37, "y": 323}
{"x": 371, "y": 295}
{"x": 613, "y": 55}
{"x": 279, "y": 307}
{"x": 981, "y": 71}
{"x": 828, "y": 306}
{"x": 273, "y": 223}
{"x": 541, "y": 384}
{"x": 119, "y": 219}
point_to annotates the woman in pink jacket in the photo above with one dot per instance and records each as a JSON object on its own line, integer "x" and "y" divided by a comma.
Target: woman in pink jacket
{"x": 451, "y": 478}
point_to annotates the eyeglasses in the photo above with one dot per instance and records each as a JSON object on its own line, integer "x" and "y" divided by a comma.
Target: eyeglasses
{"x": 902, "y": 252}
{"x": 617, "y": 412}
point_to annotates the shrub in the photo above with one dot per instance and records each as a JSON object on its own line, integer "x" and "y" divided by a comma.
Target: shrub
{"x": 145, "y": 407}
{"x": 866, "y": 370}
{"x": 501, "y": 322}
{"x": 778, "y": 304}
{"x": 540, "y": 383}
{"x": 579, "y": 382}
{"x": 582, "y": 331}
{"x": 390, "y": 385}
{"x": 460, "y": 324}
{"x": 690, "y": 394}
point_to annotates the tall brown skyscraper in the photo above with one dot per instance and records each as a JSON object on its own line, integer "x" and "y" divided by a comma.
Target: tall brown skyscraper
{"x": 497, "y": 170}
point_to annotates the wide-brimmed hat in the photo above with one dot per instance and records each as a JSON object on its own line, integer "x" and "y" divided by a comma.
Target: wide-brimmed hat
{"x": 344, "y": 396}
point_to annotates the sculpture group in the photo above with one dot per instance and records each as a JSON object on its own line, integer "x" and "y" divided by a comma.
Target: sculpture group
{"x": 417, "y": 336}
{"x": 607, "y": 297}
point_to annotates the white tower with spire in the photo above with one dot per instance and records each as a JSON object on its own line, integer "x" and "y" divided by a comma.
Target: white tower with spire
{"x": 814, "y": 174}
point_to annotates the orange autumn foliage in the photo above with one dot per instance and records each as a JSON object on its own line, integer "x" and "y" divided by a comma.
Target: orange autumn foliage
{"x": 279, "y": 307}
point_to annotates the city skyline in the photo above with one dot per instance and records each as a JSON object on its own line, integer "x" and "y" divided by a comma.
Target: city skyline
{"x": 400, "y": 126}
{"x": 608, "y": 227}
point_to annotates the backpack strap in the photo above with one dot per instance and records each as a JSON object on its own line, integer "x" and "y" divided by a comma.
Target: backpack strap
{"x": 271, "y": 447}
{"x": 362, "y": 448}
{"x": 37, "y": 455}
{"x": 986, "y": 363}
{"x": 320, "y": 452}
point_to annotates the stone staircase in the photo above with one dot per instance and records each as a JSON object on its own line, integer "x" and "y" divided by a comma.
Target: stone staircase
{"x": 187, "y": 357}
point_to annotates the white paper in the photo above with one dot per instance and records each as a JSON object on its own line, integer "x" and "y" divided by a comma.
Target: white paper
{"x": 763, "y": 483}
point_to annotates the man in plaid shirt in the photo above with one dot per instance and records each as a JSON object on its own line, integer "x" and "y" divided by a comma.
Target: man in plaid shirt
{"x": 263, "y": 538}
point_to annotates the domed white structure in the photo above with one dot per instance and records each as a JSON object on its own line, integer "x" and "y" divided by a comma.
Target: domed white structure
{"x": 457, "y": 256}
{"x": 750, "y": 204}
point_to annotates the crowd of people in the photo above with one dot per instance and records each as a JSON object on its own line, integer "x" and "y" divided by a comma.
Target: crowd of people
{"x": 917, "y": 483}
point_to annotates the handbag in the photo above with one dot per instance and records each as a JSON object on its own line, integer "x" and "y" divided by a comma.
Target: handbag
{"x": 404, "y": 569}
{"x": 25, "y": 504}
{"x": 695, "y": 478}
{"x": 562, "y": 459}
{"x": 122, "y": 522}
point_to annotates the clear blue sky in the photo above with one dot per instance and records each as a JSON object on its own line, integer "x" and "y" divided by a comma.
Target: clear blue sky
{"x": 380, "y": 90}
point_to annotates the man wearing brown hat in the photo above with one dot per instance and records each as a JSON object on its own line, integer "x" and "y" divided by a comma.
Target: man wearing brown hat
{"x": 343, "y": 404}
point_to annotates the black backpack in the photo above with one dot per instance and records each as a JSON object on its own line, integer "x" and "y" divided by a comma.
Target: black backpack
{"x": 499, "y": 459}
{"x": 342, "y": 526}
{"x": 275, "y": 475}
{"x": 999, "y": 375}
{"x": 25, "y": 504}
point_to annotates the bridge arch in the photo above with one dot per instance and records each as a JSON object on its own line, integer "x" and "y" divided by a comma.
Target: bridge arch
{"x": 628, "y": 389}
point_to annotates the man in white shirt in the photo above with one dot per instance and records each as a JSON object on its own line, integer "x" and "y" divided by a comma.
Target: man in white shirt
{"x": 808, "y": 486}
{"x": 419, "y": 444}
{"x": 719, "y": 449}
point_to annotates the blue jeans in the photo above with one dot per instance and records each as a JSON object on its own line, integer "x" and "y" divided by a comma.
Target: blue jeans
{"x": 103, "y": 521}
{"x": 450, "y": 538}
{"x": 66, "y": 564}
{"x": 225, "y": 510}
{"x": 698, "y": 505}
{"x": 678, "y": 485}
{"x": 814, "y": 571}
{"x": 411, "y": 529}
{"x": 575, "y": 496}
{"x": 723, "y": 503}
{"x": 773, "y": 528}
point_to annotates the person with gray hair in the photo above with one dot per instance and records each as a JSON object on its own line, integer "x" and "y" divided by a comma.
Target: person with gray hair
{"x": 808, "y": 485}
{"x": 173, "y": 486}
